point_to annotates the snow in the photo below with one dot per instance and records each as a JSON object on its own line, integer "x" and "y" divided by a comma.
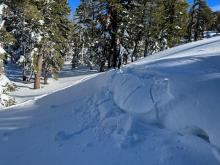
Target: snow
{"x": 2, "y": 6}
{"x": 209, "y": 34}
{"x": 178, "y": 27}
{"x": 41, "y": 22}
{"x": 4, "y": 98}
{"x": 4, "y": 80}
{"x": 2, "y": 51}
{"x": 25, "y": 93}
{"x": 1, "y": 9}
{"x": 21, "y": 59}
{"x": 161, "y": 110}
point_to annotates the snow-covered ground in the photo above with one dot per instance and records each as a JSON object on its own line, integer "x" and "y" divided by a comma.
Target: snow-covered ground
{"x": 162, "y": 110}
{"x": 67, "y": 78}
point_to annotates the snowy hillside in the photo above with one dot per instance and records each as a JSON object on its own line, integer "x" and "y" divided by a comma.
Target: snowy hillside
{"x": 162, "y": 110}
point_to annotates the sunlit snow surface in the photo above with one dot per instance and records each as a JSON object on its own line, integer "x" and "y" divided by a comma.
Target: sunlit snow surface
{"x": 162, "y": 110}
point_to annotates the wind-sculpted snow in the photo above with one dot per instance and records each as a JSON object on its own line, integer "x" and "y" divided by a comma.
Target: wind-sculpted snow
{"x": 159, "y": 111}
{"x": 182, "y": 92}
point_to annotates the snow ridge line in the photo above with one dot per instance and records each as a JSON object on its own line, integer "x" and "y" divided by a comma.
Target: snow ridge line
{"x": 181, "y": 48}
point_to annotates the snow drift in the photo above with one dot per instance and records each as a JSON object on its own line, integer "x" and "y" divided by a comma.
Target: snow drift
{"x": 160, "y": 110}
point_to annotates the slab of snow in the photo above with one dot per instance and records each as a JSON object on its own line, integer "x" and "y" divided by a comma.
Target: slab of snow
{"x": 161, "y": 110}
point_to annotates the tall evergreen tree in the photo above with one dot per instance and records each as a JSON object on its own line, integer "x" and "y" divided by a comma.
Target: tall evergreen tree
{"x": 200, "y": 20}
{"x": 216, "y": 21}
{"x": 41, "y": 29}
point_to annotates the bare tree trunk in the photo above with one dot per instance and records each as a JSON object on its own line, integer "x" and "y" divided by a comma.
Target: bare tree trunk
{"x": 38, "y": 73}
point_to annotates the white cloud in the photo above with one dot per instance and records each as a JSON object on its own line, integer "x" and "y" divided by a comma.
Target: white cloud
{"x": 216, "y": 8}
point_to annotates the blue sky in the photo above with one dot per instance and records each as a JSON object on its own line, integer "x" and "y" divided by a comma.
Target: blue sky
{"x": 74, "y": 4}
{"x": 214, "y": 4}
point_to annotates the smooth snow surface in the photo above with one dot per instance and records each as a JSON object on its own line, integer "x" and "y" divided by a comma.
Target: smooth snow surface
{"x": 162, "y": 110}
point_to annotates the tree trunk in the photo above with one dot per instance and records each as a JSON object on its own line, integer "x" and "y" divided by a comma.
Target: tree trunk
{"x": 146, "y": 48}
{"x": 190, "y": 26}
{"x": 30, "y": 76}
{"x": 197, "y": 30}
{"x": 24, "y": 76}
{"x": 119, "y": 63}
{"x": 45, "y": 77}
{"x": 125, "y": 59}
{"x": 38, "y": 73}
{"x": 109, "y": 60}
{"x": 113, "y": 32}
{"x": 134, "y": 54}
{"x": 102, "y": 65}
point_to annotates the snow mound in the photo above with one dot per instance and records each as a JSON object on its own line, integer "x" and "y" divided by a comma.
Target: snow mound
{"x": 161, "y": 110}
{"x": 182, "y": 93}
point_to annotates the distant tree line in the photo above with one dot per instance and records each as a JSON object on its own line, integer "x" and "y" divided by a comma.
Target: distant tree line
{"x": 115, "y": 32}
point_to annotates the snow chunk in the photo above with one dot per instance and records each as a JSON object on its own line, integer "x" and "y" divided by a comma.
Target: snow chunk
{"x": 41, "y": 22}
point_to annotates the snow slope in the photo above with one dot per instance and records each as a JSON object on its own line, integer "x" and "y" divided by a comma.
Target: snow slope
{"x": 162, "y": 110}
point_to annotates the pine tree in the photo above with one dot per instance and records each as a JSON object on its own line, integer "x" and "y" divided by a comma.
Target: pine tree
{"x": 54, "y": 45}
{"x": 86, "y": 27}
{"x": 24, "y": 26}
{"x": 41, "y": 29}
{"x": 200, "y": 20}
{"x": 172, "y": 17}
{"x": 98, "y": 24}
{"x": 216, "y": 21}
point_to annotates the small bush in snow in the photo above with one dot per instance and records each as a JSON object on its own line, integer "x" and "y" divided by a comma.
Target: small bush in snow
{"x": 6, "y": 86}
